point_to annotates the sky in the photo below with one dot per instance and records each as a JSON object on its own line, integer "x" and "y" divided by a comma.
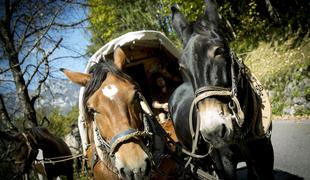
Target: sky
{"x": 74, "y": 43}
{"x": 77, "y": 40}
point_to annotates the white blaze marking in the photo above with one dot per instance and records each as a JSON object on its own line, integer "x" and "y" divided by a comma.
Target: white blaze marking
{"x": 110, "y": 91}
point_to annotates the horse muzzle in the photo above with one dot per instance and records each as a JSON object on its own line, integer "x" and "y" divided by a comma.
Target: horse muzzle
{"x": 216, "y": 125}
{"x": 132, "y": 162}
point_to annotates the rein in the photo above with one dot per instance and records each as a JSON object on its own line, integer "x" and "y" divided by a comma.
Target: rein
{"x": 54, "y": 160}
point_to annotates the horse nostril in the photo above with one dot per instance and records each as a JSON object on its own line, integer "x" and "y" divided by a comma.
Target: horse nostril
{"x": 122, "y": 172}
{"x": 224, "y": 130}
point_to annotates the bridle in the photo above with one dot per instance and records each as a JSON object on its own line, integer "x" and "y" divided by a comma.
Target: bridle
{"x": 211, "y": 91}
{"x": 110, "y": 147}
{"x": 28, "y": 152}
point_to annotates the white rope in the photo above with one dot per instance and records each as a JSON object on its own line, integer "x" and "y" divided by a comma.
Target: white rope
{"x": 50, "y": 161}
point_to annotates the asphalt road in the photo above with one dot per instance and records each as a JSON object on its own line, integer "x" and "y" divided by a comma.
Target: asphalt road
{"x": 291, "y": 144}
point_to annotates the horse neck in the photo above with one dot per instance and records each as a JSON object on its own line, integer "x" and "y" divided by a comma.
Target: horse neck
{"x": 43, "y": 140}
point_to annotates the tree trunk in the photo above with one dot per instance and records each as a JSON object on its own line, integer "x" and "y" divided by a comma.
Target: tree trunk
{"x": 22, "y": 93}
{"x": 27, "y": 107}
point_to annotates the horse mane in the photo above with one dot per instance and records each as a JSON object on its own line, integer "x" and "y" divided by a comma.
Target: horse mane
{"x": 99, "y": 73}
{"x": 43, "y": 137}
{"x": 40, "y": 133}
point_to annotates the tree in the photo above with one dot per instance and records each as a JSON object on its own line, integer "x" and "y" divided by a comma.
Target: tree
{"x": 112, "y": 18}
{"x": 244, "y": 22}
{"x": 29, "y": 35}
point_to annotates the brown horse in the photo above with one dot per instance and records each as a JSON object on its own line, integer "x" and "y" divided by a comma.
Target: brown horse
{"x": 27, "y": 145}
{"x": 115, "y": 126}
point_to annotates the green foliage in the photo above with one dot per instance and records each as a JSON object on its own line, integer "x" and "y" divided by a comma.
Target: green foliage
{"x": 251, "y": 30}
{"x": 252, "y": 27}
{"x": 245, "y": 23}
{"x": 112, "y": 18}
{"x": 59, "y": 124}
{"x": 191, "y": 9}
{"x": 284, "y": 71}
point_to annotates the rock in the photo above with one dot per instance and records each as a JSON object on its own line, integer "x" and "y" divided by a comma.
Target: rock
{"x": 289, "y": 110}
{"x": 271, "y": 94}
{"x": 299, "y": 100}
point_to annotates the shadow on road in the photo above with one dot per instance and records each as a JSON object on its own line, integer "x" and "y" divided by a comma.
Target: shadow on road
{"x": 278, "y": 174}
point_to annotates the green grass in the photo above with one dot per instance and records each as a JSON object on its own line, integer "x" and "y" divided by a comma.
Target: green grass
{"x": 279, "y": 65}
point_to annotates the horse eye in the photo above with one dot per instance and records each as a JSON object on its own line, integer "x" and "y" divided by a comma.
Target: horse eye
{"x": 219, "y": 51}
{"x": 92, "y": 110}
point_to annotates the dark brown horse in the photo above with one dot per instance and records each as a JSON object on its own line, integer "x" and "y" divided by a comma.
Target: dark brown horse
{"x": 221, "y": 110}
{"x": 54, "y": 150}
{"x": 116, "y": 129}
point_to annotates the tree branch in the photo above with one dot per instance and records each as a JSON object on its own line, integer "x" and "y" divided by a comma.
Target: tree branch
{"x": 5, "y": 118}
{"x": 28, "y": 26}
{"x": 58, "y": 24}
{"x": 45, "y": 59}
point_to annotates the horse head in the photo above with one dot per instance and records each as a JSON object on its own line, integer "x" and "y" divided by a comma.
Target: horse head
{"x": 114, "y": 112}
{"x": 207, "y": 64}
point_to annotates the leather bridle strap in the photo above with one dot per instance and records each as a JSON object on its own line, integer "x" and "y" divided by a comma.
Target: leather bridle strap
{"x": 29, "y": 149}
{"x": 125, "y": 136}
{"x": 233, "y": 105}
{"x": 118, "y": 139}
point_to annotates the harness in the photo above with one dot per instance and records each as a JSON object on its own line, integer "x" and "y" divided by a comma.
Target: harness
{"x": 29, "y": 149}
{"x": 111, "y": 146}
{"x": 152, "y": 133}
{"x": 210, "y": 91}
{"x": 238, "y": 114}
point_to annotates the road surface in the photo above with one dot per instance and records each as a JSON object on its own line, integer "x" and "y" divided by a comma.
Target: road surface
{"x": 291, "y": 144}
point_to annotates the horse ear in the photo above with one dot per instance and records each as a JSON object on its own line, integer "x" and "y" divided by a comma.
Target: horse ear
{"x": 211, "y": 17}
{"x": 119, "y": 58}
{"x": 79, "y": 78}
{"x": 179, "y": 23}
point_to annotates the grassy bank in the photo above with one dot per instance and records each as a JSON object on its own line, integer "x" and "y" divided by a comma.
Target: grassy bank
{"x": 283, "y": 68}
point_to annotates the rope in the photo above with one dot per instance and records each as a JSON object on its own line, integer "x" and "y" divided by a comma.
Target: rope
{"x": 60, "y": 157}
{"x": 50, "y": 161}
